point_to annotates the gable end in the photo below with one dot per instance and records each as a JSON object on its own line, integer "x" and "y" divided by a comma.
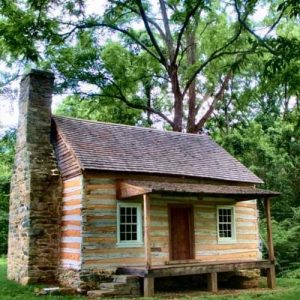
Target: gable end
{"x": 68, "y": 164}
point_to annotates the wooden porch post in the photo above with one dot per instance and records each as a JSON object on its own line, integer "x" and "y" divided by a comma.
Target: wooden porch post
{"x": 146, "y": 204}
{"x": 271, "y": 271}
{"x": 148, "y": 286}
{"x": 148, "y": 281}
{"x": 212, "y": 284}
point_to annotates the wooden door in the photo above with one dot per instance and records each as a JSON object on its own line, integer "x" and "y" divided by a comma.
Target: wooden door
{"x": 181, "y": 232}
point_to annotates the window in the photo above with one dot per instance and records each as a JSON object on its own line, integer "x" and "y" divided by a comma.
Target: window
{"x": 226, "y": 224}
{"x": 129, "y": 225}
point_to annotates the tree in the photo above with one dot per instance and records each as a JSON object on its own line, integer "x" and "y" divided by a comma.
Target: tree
{"x": 184, "y": 51}
{"x": 7, "y": 143}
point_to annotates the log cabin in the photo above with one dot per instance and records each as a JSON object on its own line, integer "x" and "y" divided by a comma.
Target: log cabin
{"x": 92, "y": 200}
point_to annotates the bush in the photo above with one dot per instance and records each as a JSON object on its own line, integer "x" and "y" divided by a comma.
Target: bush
{"x": 286, "y": 239}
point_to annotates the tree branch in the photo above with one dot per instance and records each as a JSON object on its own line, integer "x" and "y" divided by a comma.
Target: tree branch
{"x": 183, "y": 28}
{"x": 219, "y": 95}
{"x": 150, "y": 33}
{"x": 113, "y": 27}
{"x": 123, "y": 99}
{"x": 150, "y": 20}
{"x": 169, "y": 39}
{"x": 245, "y": 25}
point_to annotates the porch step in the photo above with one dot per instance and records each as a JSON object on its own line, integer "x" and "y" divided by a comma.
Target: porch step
{"x": 122, "y": 285}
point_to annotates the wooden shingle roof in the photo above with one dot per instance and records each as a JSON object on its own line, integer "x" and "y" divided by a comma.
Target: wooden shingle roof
{"x": 113, "y": 147}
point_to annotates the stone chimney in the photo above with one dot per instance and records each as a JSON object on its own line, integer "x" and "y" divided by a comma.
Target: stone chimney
{"x": 33, "y": 246}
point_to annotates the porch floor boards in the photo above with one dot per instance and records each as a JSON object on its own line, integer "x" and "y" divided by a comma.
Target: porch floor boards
{"x": 193, "y": 268}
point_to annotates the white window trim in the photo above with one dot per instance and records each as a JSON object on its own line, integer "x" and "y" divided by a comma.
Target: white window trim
{"x": 139, "y": 241}
{"x": 227, "y": 240}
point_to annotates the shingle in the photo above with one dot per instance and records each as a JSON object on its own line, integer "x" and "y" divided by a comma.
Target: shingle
{"x": 114, "y": 147}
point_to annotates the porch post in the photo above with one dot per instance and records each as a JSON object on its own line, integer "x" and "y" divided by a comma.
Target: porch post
{"x": 146, "y": 205}
{"x": 271, "y": 271}
{"x": 212, "y": 284}
{"x": 148, "y": 281}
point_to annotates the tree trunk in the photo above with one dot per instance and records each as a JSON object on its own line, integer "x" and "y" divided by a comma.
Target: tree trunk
{"x": 191, "y": 59}
{"x": 178, "y": 98}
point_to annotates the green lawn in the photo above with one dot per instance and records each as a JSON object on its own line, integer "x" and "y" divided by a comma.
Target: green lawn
{"x": 288, "y": 289}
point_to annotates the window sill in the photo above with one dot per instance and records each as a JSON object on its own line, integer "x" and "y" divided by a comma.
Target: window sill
{"x": 130, "y": 245}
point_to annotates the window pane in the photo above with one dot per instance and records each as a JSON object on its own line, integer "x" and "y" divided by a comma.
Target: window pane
{"x": 128, "y": 223}
{"x": 122, "y": 236}
{"x": 225, "y": 222}
{"x": 122, "y": 219}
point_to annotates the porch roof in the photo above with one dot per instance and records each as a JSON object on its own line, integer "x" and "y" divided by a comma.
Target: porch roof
{"x": 131, "y": 188}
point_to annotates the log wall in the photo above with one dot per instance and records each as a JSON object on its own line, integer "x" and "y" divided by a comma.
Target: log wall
{"x": 99, "y": 231}
{"x": 71, "y": 239}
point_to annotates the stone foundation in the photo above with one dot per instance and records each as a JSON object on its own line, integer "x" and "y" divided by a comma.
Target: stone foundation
{"x": 70, "y": 278}
{"x": 83, "y": 280}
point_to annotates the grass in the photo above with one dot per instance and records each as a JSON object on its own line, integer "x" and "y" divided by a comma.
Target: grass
{"x": 287, "y": 289}
{"x": 11, "y": 290}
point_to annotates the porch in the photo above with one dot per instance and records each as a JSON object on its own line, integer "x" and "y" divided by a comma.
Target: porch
{"x": 196, "y": 268}
{"x": 172, "y": 267}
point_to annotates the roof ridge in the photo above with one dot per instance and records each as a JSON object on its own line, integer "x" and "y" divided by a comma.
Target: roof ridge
{"x": 131, "y": 126}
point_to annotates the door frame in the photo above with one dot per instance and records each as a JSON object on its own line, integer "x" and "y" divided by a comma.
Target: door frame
{"x": 191, "y": 229}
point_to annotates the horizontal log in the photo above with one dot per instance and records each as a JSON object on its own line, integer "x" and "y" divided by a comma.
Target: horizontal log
{"x": 101, "y": 216}
{"x": 120, "y": 250}
{"x": 115, "y": 261}
{"x": 100, "y": 229}
{"x": 228, "y": 256}
{"x": 250, "y": 237}
{"x": 95, "y": 209}
{"x": 245, "y": 204}
{"x": 69, "y": 233}
{"x": 72, "y": 202}
{"x": 101, "y": 197}
{"x": 71, "y": 212}
{"x": 73, "y": 197}
{"x": 72, "y": 193}
{"x": 70, "y": 222}
{"x": 101, "y": 186}
{"x": 227, "y": 246}
{"x": 72, "y": 256}
{"x": 100, "y": 240}
{"x": 71, "y": 245}
{"x": 72, "y": 182}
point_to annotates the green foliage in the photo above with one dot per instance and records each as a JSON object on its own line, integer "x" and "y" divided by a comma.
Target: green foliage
{"x": 105, "y": 110}
{"x": 273, "y": 154}
{"x": 7, "y": 143}
{"x": 286, "y": 238}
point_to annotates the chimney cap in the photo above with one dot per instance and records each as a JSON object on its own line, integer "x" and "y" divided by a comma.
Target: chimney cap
{"x": 39, "y": 73}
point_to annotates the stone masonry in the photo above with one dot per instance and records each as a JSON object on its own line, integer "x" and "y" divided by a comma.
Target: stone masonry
{"x": 34, "y": 220}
